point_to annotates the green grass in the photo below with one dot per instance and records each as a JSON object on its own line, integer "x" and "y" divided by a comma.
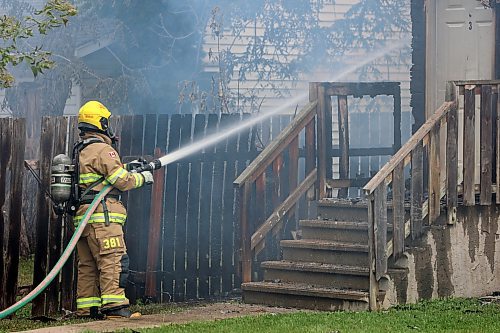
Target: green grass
{"x": 451, "y": 315}
{"x": 25, "y": 273}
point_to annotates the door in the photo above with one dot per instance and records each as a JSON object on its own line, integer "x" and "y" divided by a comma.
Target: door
{"x": 460, "y": 45}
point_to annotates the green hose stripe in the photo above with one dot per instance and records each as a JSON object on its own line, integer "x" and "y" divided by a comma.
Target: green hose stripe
{"x": 28, "y": 298}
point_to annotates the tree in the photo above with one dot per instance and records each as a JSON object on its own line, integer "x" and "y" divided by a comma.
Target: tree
{"x": 54, "y": 13}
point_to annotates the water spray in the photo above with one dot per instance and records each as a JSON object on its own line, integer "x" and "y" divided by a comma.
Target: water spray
{"x": 212, "y": 139}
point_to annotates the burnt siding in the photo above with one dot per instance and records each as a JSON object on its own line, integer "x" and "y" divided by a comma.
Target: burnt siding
{"x": 417, "y": 71}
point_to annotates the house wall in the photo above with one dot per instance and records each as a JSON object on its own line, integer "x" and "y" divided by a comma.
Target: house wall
{"x": 462, "y": 260}
{"x": 272, "y": 99}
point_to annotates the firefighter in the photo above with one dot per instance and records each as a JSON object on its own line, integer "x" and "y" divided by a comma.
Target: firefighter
{"x": 103, "y": 260}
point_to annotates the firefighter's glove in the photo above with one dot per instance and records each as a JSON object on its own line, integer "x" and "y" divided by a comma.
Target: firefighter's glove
{"x": 148, "y": 177}
{"x": 135, "y": 164}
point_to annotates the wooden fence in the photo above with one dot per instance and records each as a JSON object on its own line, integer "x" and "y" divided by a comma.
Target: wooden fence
{"x": 183, "y": 232}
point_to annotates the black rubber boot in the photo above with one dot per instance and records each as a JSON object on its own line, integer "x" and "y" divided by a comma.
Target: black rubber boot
{"x": 94, "y": 314}
{"x": 122, "y": 312}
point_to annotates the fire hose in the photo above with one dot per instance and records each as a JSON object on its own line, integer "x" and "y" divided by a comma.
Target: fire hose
{"x": 62, "y": 260}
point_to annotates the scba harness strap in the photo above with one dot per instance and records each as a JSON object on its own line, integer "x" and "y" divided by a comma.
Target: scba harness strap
{"x": 79, "y": 197}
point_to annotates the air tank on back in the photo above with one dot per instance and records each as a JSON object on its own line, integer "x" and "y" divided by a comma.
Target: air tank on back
{"x": 60, "y": 178}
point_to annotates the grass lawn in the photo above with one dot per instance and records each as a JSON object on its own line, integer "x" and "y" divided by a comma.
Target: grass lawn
{"x": 451, "y": 315}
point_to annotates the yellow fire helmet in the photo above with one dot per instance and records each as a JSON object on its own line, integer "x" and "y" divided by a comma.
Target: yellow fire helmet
{"x": 95, "y": 114}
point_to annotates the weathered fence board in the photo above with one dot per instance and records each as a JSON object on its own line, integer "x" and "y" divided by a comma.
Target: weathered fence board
{"x": 380, "y": 229}
{"x": 5, "y": 144}
{"x": 43, "y": 212}
{"x": 469, "y": 146}
{"x": 343, "y": 119}
{"x": 181, "y": 212}
{"x": 228, "y": 205}
{"x": 452, "y": 165}
{"x": 434, "y": 174}
{"x": 417, "y": 190}
{"x": 134, "y": 213}
{"x": 18, "y": 128}
{"x": 486, "y": 144}
{"x": 170, "y": 203}
{"x": 193, "y": 213}
{"x": 398, "y": 227}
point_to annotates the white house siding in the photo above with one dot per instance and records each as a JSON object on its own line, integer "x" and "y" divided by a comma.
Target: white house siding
{"x": 272, "y": 100}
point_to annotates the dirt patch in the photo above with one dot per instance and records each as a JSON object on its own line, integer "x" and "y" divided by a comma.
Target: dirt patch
{"x": 215, "y": 311}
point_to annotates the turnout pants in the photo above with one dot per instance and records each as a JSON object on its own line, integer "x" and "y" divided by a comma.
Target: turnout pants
{"x": 102, "y": 268}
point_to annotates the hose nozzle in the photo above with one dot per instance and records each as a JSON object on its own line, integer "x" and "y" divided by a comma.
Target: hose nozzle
{"x": 151, "y": 166}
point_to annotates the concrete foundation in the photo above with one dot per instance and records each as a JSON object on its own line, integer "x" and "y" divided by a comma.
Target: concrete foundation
{"x": 460, "y": 260}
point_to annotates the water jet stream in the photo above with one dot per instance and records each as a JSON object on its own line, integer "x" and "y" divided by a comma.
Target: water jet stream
{"x": 225, "y": 133}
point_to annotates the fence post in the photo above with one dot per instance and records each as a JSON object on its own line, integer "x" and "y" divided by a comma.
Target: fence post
{"x": 246, "y": 252}
{"x": 373, "y": 289}
{"x": 293, "y": 178}
{"x": 486, "y": 144}
{"x": 398, "y": 199}
{"x": 469, "y": 164}
{"x": 397, "y": 118}
{"x": 451, "y": 154}
{"x": 317, "y": 92}
{"x": 380, "y": 230}
{"x": 417, "y": 189}
{"x": 343, "y": 118}
{"x": 154, "y": 230}
{"x": 434, "y": 174}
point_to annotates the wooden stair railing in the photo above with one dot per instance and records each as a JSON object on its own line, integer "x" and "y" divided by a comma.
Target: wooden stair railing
{"x": 255, "y": 176}
{"x": 443, "y": 174}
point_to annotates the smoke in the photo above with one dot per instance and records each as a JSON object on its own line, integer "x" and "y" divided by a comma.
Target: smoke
{"x": 226, "y": 56}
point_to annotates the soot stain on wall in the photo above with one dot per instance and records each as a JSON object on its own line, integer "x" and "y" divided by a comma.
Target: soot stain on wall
{"x": 470, "y": 226}
{"x": 424, "y": 272}
{"x": 489, "y": 226}
{"x": 444, "y": 270}
{"x": 401, "y": 286}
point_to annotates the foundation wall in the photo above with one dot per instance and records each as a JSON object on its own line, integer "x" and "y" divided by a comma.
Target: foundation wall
{"x": 461, "y": 260}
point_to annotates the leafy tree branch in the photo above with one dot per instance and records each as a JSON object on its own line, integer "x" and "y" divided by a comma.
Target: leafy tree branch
{"x": 54, "y": 14}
